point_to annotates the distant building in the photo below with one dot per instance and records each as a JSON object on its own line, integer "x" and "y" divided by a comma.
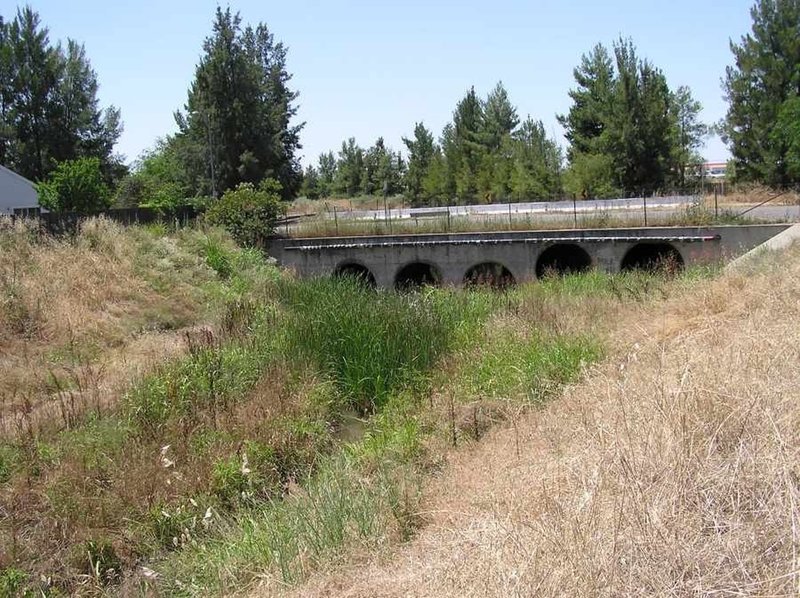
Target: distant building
{"x": 17, "y": 194}
{"x": 715, "y": 170}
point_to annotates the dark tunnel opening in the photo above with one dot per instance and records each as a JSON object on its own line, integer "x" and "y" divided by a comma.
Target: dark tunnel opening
{"x": 563, "y": 259}
{"x": 489, "y": 274}
{"x": 652, "y": 257}
{"x": 416, "y": 275}
{"x": 356, "y": 272}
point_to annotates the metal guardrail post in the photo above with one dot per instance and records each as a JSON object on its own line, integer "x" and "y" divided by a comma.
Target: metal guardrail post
{"x": 644, "y": 202}
{"x": 575, "y": 210}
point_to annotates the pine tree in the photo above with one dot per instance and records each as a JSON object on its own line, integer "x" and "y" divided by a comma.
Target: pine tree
{"x": 623, "y": 126}
{"x": 326, "y": 165}
{"x": 49, "y": 112}
{"x": 239, "y": 111}
{"x": 349, "y": 169}
{"x": 500, "y": 117}
{"x": 639, "y": 125}
{"x": 764, "y": 78}
{"x": 469, "y": 144}
{"x": 420, "y": 153}
{"x": 311, "y": 186}
{"x": 591, "y": 102}
{"x": 688, "y": 132}
{"x": 536, "y": 165}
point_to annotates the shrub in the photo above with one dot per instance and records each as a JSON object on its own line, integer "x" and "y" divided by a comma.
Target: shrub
{"x": 218, "y": 258}
{"x": 245, "y": 477}
{"x": 11, "y": 582}
{"x": 75, "y": 186}
{"x": 248, "y": 213}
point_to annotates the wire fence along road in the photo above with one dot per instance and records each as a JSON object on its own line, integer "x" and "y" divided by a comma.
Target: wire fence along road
{"x": 538, "y": 207}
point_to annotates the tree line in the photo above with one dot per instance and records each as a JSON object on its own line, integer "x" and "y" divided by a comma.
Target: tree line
{"x": 49, "y": 111}
{"x": 628, "y": 132}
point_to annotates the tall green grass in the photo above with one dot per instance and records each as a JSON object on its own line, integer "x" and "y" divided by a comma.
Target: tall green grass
{"x": 291, "y": 537}
{"x": 529, "y": 370}
{"x": 373, "y": 344}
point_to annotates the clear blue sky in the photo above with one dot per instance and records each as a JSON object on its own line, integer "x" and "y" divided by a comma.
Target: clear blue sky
{"x": 370, "y": 68}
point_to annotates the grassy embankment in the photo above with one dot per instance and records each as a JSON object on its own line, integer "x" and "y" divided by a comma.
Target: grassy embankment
{"x": 288, "y": 423}
{"x": 671, "y": 469}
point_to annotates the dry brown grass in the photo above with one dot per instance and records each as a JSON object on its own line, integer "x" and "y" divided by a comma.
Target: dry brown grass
{"x": 752, "y": 194}
{"x": 78, "y": 318}
{"x": 671, "y": 470}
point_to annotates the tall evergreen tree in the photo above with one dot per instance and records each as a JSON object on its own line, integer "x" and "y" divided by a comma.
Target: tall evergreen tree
{"x": 420, "y": 153}
{"x": 49, "y": 110}
{"x": 310, "y": 187}
{"x": 765, "y": 76}
{"x": 240, "y": 110}
{"x": 469, "y": 143}
{"x": 349, "y": 168}
{"x": 591, "y": 102}
{"x": 688, "y": 132}
{"x": 326, "y": 165}
{"x": 536, "y": 172}
{"x": 500, "y": 117}
{"x": 639, "y": 126}
{"x": 628, "y": 132}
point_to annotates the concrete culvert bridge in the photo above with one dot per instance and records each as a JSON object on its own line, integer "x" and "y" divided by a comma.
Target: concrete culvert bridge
{"x": 489, "y": 274}
{"x": 405, "y": 261}
{"x": 356, "y": 272}
{"x": 416, "y": 275}
{"x": 652, "y": 257}
{"x": 563, "y": 259}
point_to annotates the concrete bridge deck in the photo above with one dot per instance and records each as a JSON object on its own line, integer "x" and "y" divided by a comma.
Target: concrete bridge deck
{"x": 506, "y": 257}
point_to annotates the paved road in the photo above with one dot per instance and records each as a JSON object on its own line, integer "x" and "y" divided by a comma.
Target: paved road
{"x": 540, "y": 207}
{"x": 586, "y": 213}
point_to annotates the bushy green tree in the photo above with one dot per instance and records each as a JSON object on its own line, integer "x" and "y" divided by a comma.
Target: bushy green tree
{"x": 469, "y": 144}
{"x": 238, "y": 120}
{"x": 688, "y": 133}
{"x": 248, "y": 213}
{"x": 787, "y": 136}
{"x": 311, "y": 184}
{"x": 591, "y": 175}
{"x": 158, "y": 180}
{"x": 591, "y": 107}
{"x": 628, "y": 133}
{"x": 49, "y": 112}
{"x": 437, "y": 183}
{"x": 640, "y": 124}
{"x": 499, "y": 117}
{"x": 75, "y": 186}
{"x": 536, "y": 163}
{"x": 764, "y": 77}
{"x": 349, "y": 169}
{"x": 326, "y": 166}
